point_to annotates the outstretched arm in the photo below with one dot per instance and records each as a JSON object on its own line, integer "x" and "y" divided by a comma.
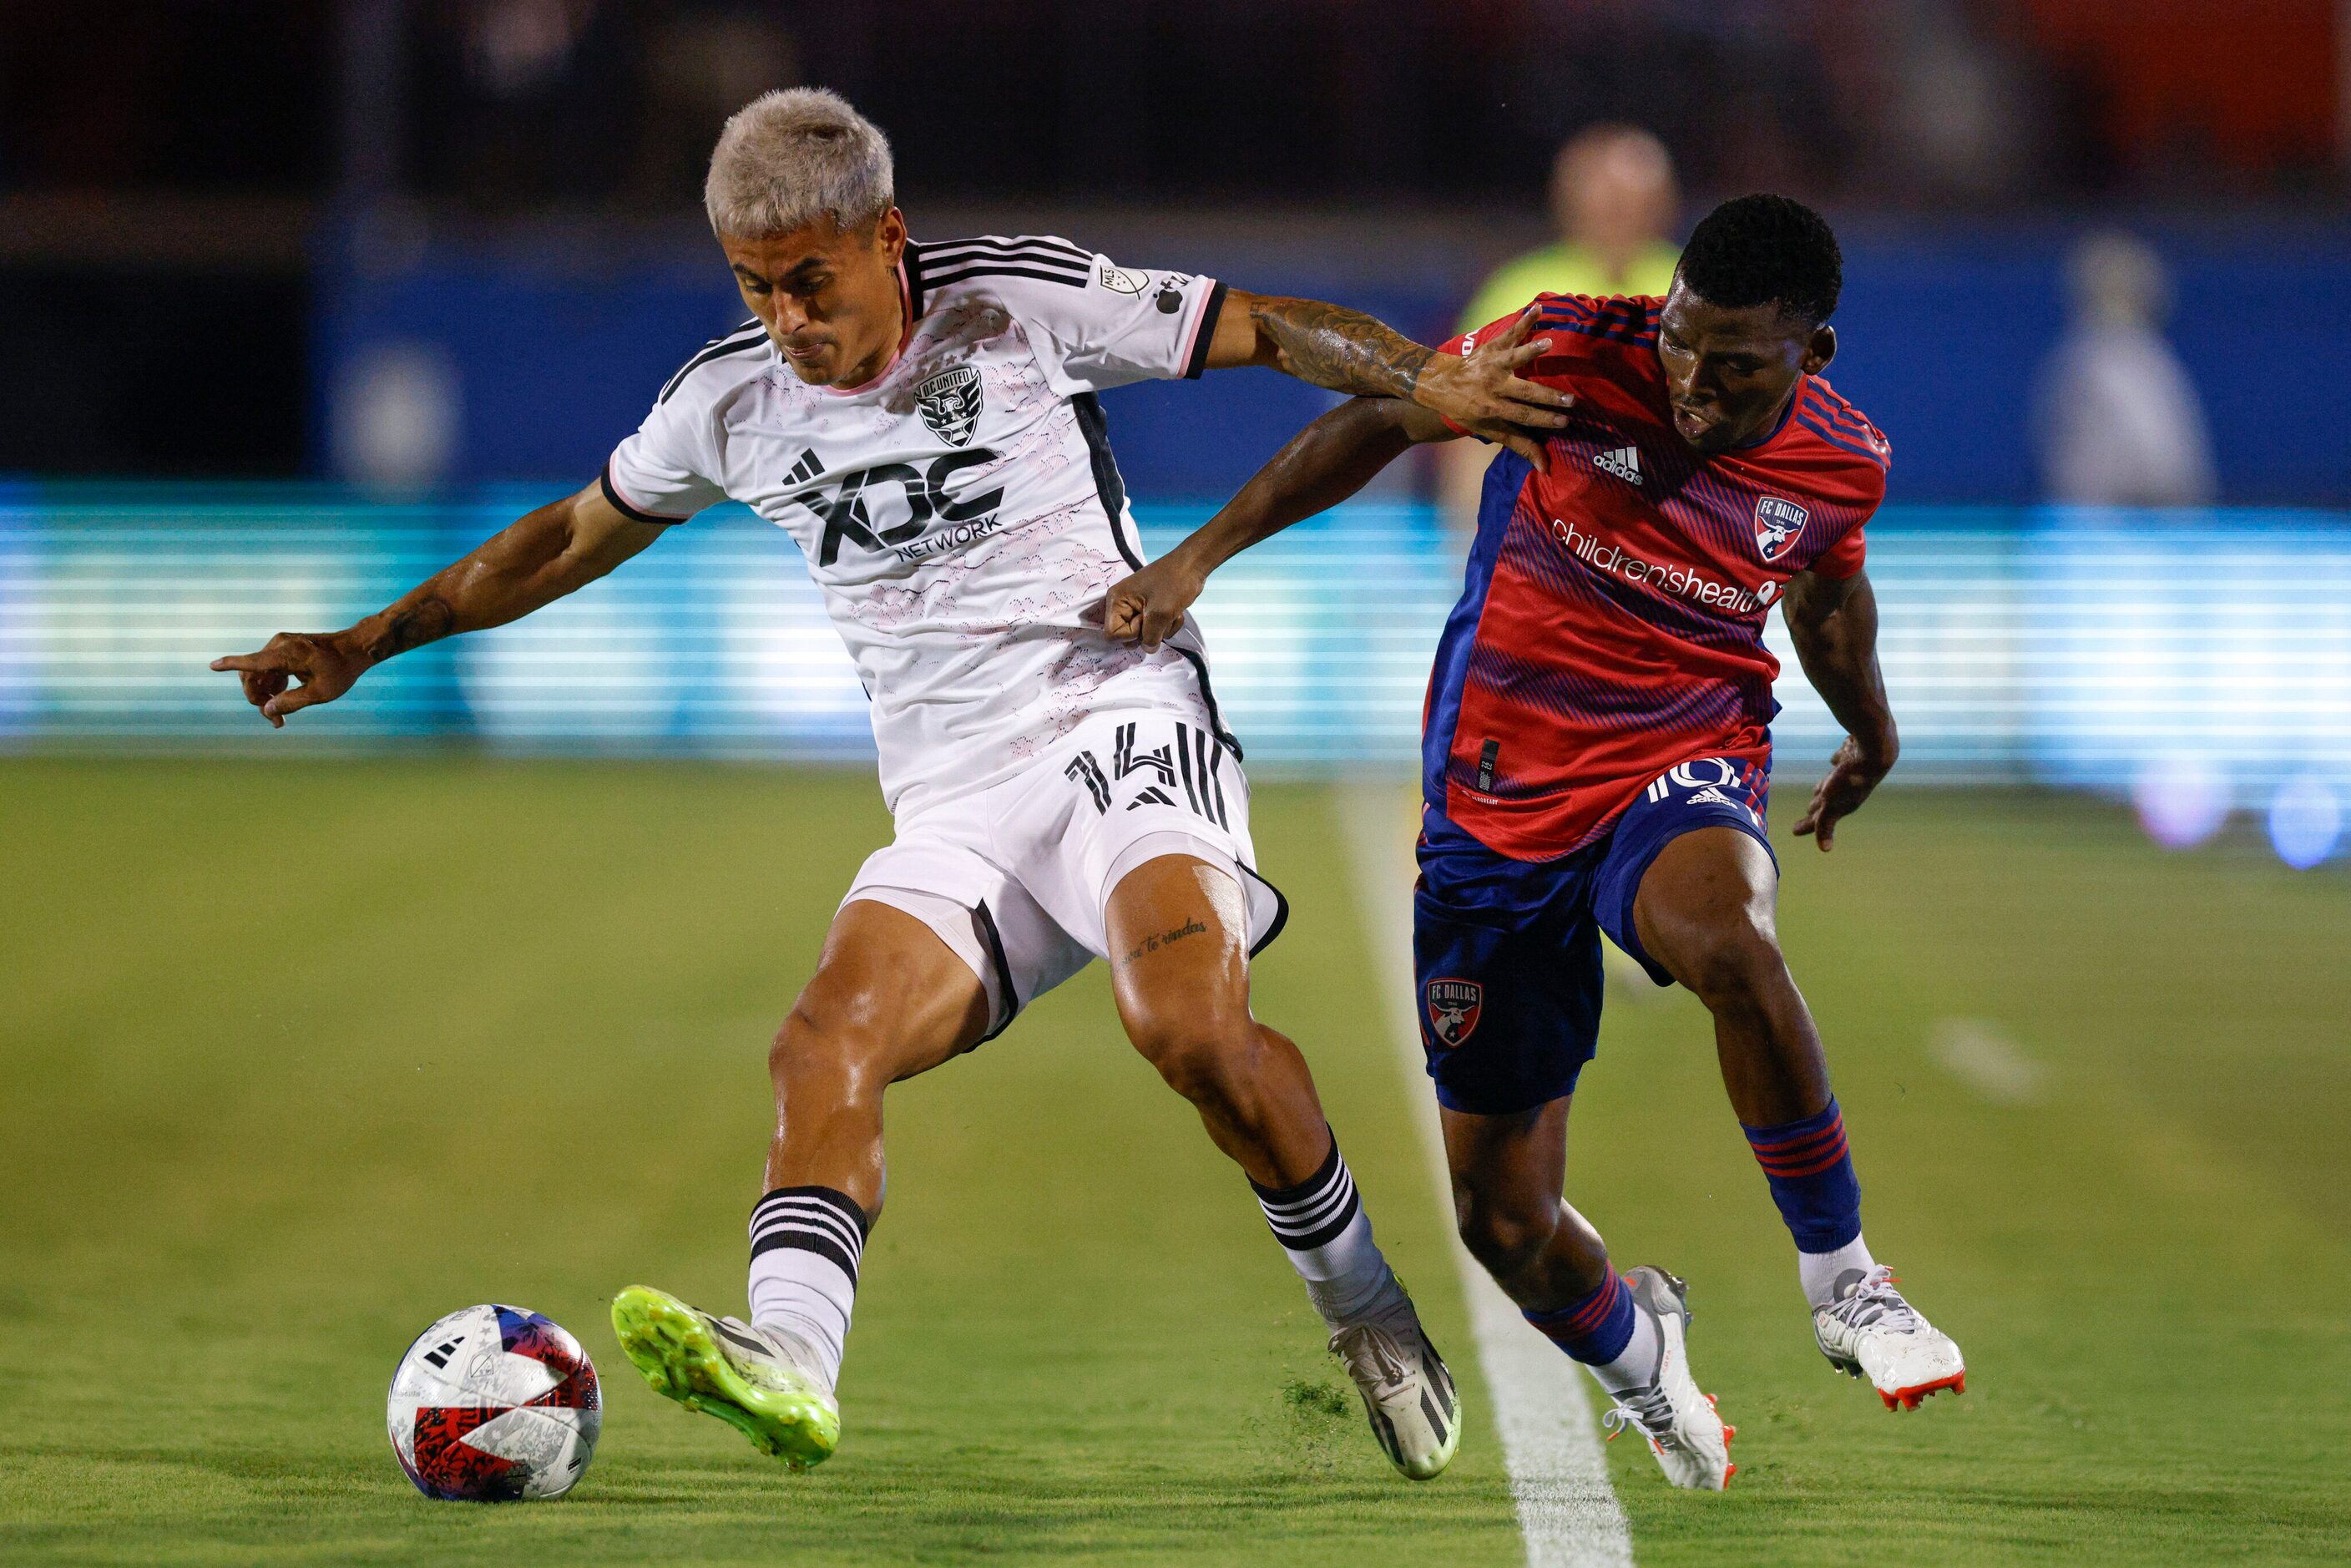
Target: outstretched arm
{"x": 538, "y": 559}
{"x": 1349, "y": 351}
{"x": 1318, "y": 467}
{"x": 1834, "y": 622}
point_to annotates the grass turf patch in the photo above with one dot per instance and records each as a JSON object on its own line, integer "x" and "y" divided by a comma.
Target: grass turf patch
{"x": 2142, "y": 1253}
{"x": 299, "y": 1056}
{"x": 302, "y": 1056}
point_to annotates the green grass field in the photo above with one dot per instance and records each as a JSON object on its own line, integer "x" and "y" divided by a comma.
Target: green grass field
{"x": 296, "y": 1057}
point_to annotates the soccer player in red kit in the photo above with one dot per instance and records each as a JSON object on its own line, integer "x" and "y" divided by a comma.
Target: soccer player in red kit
{"x": 1597, "y": 746}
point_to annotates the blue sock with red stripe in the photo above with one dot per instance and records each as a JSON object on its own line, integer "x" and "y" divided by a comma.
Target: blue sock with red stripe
{"x": 1810, "y": 1168}
{"x": 1607, "y": 1334}
{"x": 1596, "y": 1329}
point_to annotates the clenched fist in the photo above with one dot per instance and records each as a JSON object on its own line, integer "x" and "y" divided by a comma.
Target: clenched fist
{"x": 1149, "y": 606}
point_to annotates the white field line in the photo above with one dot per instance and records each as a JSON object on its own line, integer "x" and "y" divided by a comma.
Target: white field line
{"x": 1559, "y": 1475}
{"x": 1981, "y": 1056}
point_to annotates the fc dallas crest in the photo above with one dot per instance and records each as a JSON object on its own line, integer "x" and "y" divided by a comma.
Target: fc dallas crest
{"x": 1777, "y": 521}
{"x": 1453, "y": 1010}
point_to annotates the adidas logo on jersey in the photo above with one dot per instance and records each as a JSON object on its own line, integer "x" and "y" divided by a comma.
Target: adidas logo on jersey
{"x": 1624, "y": 464}
{"x": 1710, "y": 796}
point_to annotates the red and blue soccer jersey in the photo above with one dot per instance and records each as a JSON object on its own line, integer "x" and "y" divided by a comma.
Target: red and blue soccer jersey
{"x": 1612, "y": 623}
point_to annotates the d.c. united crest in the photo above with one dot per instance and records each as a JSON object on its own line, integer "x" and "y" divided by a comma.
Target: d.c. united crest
{"x": 1453, "y": 1007}
{"x": 949, "y": 404}
{"x": 1776, "y": 522}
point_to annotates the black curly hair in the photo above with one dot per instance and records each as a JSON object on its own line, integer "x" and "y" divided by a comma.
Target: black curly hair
{"x": 1761, "y": 250}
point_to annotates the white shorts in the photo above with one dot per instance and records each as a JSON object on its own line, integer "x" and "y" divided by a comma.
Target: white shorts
{"x": 1017, "y": 877}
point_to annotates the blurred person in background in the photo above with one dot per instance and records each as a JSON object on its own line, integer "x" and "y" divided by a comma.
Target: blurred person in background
{"x": 1614, "y": 196}
{"x": 523, "y": 102}
{"x": 2118, "y": 418}
{"x": 703, "y": 64}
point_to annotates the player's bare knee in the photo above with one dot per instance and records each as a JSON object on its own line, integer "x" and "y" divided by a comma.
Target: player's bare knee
{"x": 825, "y": 1047}
{"x": 1204, "y": 1070}
{"x": 1505, "y": 1232}
{"x": 1201, "y": 1058}
{"x": 802, "y": 1056}
{"x": 1734, "y": 963}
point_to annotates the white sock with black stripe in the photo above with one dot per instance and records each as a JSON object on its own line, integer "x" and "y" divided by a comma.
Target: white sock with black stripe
{"x": 804, "y": 1246}
{"x": 1321, "y": 1223}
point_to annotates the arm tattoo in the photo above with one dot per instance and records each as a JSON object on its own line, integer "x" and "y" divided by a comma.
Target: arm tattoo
{"x": 1343, "y": 350}
{"x": 428, "y": 619}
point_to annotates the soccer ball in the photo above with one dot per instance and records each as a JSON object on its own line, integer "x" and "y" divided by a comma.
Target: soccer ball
{"x": 495, "y": 1404}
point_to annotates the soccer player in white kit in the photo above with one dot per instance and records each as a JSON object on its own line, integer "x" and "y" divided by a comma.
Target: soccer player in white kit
{"x": 921, "y": 418}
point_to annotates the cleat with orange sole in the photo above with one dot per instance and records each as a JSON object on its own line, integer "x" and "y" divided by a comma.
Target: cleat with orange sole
{"x": 1676, "y": 1417}
{"x": 1871, "y": 1331}
{"x": 1908, "y": 1398}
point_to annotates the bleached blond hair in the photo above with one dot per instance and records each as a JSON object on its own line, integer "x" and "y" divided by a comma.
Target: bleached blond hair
{"x": 791, "y": 157}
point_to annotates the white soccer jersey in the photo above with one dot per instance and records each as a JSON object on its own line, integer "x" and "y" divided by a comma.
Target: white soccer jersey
{"x": 961, "y": 510}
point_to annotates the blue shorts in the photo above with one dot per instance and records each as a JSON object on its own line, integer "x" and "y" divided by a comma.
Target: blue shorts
{"x": 1507, "y": 952}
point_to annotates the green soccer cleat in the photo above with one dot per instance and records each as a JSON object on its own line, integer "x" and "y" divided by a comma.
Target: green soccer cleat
{"x": 747, "y": 1376}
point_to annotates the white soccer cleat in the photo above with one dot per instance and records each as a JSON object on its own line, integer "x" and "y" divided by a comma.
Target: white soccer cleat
{"x": 1408, "y": 1393}
{"x": 1870, "y": 1329}
{"x": 1692, "y": 1445}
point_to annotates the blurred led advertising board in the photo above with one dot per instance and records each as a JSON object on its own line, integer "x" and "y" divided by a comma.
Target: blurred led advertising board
{"x": 2098, "y": 650}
